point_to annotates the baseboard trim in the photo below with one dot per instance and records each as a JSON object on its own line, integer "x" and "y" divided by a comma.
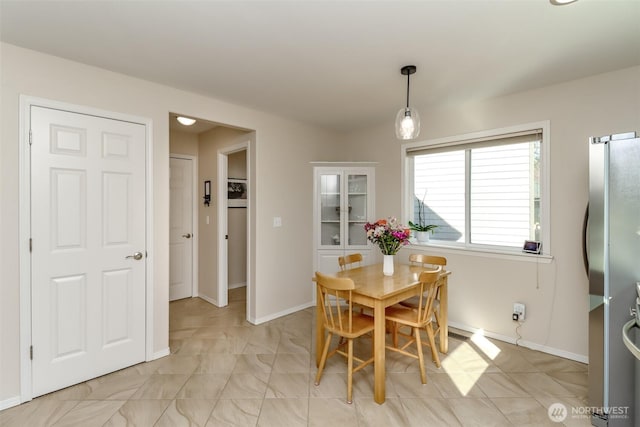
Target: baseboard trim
{"x": 523, "y": 343}
{"x": 162, "y": 353}
{"x": 259, "y": 320}
{"x": 556, "y": 352}
{"x": 209, "y": 300}
{"x": 10, "y": 402}
{"x": 237, "y": 285}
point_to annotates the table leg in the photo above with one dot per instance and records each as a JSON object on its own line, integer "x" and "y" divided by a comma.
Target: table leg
{"x": 319, "y": 328}
{"x": 444, "y": 316}
{"x": 379, "y": 352}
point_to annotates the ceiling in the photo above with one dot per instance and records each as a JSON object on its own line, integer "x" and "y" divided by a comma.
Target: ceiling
{"x": 336, "y": 64}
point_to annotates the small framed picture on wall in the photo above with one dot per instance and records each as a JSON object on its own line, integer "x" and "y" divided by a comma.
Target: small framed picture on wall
{"x": 237, "y": 193}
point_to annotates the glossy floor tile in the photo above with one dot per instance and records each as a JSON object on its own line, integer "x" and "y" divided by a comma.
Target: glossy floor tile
{"x": 223, "y": 371}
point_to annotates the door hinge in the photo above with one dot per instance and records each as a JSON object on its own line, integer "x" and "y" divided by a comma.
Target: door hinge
{"x": 31, "y": 352}
{"x": 30, "y": 137}
{"x": 30, "y": 244}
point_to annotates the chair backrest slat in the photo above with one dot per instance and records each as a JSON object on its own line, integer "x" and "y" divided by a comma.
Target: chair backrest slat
{"x": 334, "y": 292}
{"x": 427, "y": 260}
{"x": 348, "y": 261}
{"x": 429, "y": 289}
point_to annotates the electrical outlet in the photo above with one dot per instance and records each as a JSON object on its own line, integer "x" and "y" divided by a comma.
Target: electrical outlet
{"x": 518, "y": 312}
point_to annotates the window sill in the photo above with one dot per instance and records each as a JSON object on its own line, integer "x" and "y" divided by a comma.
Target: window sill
{"x": 482, "y": 252}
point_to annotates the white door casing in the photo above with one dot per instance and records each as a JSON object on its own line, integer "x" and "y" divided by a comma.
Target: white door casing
{"x": 181, "y": 231}
{"x": 88, "y": 222}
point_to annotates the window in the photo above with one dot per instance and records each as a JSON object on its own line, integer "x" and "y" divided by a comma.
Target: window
{"x": 483, "y": 190}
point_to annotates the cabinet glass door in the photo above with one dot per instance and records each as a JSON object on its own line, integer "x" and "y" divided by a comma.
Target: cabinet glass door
{"x": 330, "y": 233}
{"x": 357, "y": 209}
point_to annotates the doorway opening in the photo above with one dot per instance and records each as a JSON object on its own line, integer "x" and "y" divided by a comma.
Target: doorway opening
{"x": 237, "y": 219}
{"x": 234, "y": 213}
{"x": 221, "y": 245}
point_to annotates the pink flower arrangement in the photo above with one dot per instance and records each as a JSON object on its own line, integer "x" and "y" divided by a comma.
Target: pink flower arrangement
{"x": 388, "y": 235}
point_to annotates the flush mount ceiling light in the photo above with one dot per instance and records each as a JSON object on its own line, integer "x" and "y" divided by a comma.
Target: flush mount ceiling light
{"x": 407, "y": 119}
{"x": 561, "y": 2}
{"x": 185, "y": 120}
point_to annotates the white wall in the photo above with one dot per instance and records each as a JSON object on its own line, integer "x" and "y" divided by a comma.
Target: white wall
{"x": 483, "y": 289}
{"x": 183, "y": 143}
{"x": 278, "y": 287}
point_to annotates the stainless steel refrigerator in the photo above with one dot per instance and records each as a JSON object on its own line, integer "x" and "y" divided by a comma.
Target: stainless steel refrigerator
{"x": 614, "y": 270}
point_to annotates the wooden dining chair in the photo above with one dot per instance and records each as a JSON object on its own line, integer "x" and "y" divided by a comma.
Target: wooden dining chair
{"x": 340, "y": 319}
{"x": 348, "y": 262}
{"x": 427, "y": 260}
{"x": 417, "y": 319}
{"x": 430, "y": 262}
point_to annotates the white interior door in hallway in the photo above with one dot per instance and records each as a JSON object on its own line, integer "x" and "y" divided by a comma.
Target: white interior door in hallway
{"x": 181, "y": 228}
{"x": 88, "y": 225}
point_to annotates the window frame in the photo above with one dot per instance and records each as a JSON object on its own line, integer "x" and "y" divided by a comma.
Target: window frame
{"x": 451, "y": 141}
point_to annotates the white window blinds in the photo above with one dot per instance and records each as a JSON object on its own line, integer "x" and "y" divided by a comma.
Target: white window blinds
{"x": 483, "y": 191}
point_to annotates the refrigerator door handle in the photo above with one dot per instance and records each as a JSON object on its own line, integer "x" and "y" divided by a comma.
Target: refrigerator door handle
{"x": 585, "y": 240}
{"x": 628, "y": 341}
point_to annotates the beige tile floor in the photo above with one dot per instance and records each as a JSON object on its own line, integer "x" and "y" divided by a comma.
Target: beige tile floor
{"x": 223, "y": 371}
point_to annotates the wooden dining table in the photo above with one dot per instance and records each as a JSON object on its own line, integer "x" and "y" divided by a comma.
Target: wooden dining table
{"x": 377, "y": 291}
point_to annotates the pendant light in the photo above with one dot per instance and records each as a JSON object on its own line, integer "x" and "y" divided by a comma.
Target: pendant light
{"x": 407, "y": 119}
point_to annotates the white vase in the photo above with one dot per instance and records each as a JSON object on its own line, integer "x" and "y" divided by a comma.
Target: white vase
{"x": 422, "y": 236}
{"x": 387, "y": 266}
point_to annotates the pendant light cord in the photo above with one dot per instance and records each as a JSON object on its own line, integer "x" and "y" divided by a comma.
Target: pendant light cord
{"x": 408, "y": 77}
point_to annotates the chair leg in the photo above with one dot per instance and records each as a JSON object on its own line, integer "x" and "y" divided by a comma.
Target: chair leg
{"x": 323, "y": 359}
{"x": 437, "y": 316}
{"x": 432, "y": 343}
{"x": 423, "y": 375}
{"x": 394, "y": 332}
{"x": 350, "y": 371}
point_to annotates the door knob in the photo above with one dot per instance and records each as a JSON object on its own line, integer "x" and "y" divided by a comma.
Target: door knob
{"x": 137, "y": 256}
{"x": 188, "y": 235}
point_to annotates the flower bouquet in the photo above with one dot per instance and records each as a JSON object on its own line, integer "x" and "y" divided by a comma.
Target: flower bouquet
{"x": 388, "y": 235}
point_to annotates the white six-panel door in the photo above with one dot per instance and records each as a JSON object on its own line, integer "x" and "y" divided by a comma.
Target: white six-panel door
{"x": 88, "y": 256}
{"x": 181, "y": 229}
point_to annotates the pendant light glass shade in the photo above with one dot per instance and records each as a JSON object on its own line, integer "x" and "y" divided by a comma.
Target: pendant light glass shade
{"x": 407, "y": 119}
{"x": 407, "y": 123}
